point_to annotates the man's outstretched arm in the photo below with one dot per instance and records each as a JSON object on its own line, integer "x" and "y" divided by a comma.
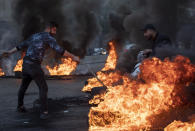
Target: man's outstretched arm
{"x": 53, "y": 44}
{"x": 23, "y": 45}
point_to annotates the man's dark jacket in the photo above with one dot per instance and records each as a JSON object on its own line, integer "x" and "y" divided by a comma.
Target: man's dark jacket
{"x": 160, "y": 41}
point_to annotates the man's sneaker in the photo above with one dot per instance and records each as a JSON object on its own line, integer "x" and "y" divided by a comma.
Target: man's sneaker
{"x": 21, "y": 109}
{"x": 44, "y": 115}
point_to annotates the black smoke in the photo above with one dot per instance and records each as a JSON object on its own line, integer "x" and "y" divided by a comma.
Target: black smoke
{"x": 85, "y": 23}
{"x": 33, "y": 15}
{"x": 78, "y": 24}
{"x": 185, "y": 44}
{"x": 166, "y": 16}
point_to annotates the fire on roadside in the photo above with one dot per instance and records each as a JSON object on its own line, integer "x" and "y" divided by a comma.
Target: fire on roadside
{"x": 103, "y": 75}
{"x": 66, "y": 67}
{"x": 1, "y": 72}
{"x": 131, "y": 104}
{"x": 18, "y": 66}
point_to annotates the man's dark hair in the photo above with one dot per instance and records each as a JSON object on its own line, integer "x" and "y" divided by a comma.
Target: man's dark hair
{"x": 52, "y": 24}
{"x": 149, "y": 27}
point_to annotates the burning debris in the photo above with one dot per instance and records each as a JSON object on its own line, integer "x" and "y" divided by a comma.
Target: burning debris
{"x": 102, "y": 75}
{"x": 182, "y": 126}
{"x": 18, "y": 67}
{"x": 66, "y": 68}
{"x": 127, "y": 104}
{"x": 1, "y": 72}
{"x": 132, "y": 104}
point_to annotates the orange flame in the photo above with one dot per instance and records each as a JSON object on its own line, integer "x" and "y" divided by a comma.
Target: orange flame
{"x": 66, "y": 68}
{"x": 1, "y": 72}
{"x": 18, "y": 66}
{"x": 182, "y": 126}
{"x": 102, "y": 75}
{"x": 112, "y": 58}
{"x": 131, "y": 104}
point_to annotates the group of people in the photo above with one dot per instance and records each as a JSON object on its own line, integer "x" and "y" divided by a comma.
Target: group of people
{"x": 35, "y": 49}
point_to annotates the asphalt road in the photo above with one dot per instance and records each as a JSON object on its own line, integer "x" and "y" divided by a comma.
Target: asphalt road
{"x": 68, "y": 107}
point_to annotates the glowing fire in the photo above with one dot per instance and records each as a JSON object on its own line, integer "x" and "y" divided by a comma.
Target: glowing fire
{"x": 112, "y": 58}
{"x": 131, "y": 104}
{"x": 18, "y": 66}
{"x": 103, "y": 75}
{"x": 1, "y": 72}
{"x": 182, "y": 126}
{"x": 66, "y": 68}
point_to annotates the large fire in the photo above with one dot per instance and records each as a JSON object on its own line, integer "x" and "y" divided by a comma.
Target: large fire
{"x": 1, "y": 72}
{"x": 18, "y": 66}
{"x": 132, "y": 104}
{"x": 66, "y": 68}
{"x": 103, "y": 75}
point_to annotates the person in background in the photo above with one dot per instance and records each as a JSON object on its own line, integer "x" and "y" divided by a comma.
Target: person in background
{"x": 157, "y": 39}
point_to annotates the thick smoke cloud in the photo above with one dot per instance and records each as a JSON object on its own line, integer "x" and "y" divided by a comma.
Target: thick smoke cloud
{"x": 82, "y": 24}
{"x": 93, "y": 23}
{"x": 32, "y": 15}
{"x": 78, "y": 22}
{"x": 165, "y": 15}
{"x": 185, "y": 44}
{"x": 83, "y": 21}
{"x": 9, "y": 36}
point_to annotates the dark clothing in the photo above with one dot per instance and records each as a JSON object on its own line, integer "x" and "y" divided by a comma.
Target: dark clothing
{"x": 31, "y": 70}
{"x": 34, "y": 72}
{"x": 37, "y": 44}
{"x": 160, "y": 41}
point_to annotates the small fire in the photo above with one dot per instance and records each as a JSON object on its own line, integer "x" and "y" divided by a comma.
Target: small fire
{"x": 66, "y": 68}
{"x": 1, "y": 72}
{"x": 103, "y": 75}
{"x": 18, "y": 66}
{"x": 132, "y": 104}
{"x": 182, "y": 126}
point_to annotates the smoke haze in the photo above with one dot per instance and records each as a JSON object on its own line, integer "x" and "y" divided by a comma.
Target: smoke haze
{"x": 86, "y": 23}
